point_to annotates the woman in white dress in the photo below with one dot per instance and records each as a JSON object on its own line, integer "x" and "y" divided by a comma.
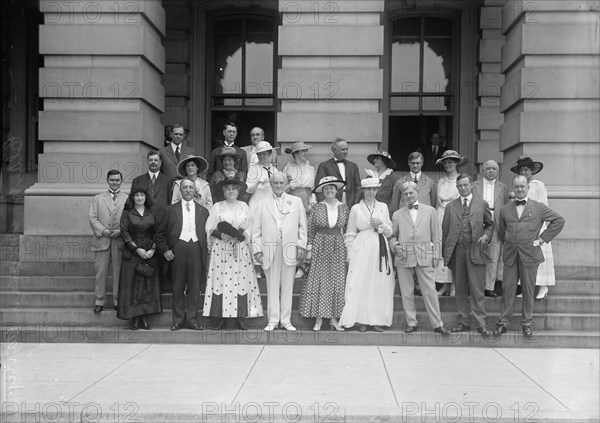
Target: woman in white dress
{"x": 537, "y": 191}
{"x": 369, "y": 297}
{"x": 192, "y": 167}
{"x": 446, "y": 192}
{"x": 259, "y": 173}
{"x": 300, "y": 174}
{"x": 231, "y": 288}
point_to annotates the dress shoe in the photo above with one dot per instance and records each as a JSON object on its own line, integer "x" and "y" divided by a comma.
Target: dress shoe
{"x": 116, "y": 307}
{"x": 318, "y": 323}
{"x": 484, "y": 332}
{"x": 442, "y": 331}
{"x": 500, "y": 329}
{"x": 143, "y": 323}
{"x": 377, "y": 328}
{"x": 196, "y": 326}
{"x": 98, "y": 309}
{"x": 542, "y": 293}
{"x": 176, "y": 326}
{"x": 241, "y": 323}
{"x": 490, "y": 293}
{"x": 289, "y": 327}
{"x": 410, "y": 329}
{"x": 418, "y": 292}
{"x": 461, "y": 328}
{"x": 444, "y": 290}
{"x": 362, "y": 328}
{"x": 527, "y": 332}
{"x": 270, "y": 327}
{"x": 135, "y": 323}
{"x": 452, "y": 290}
{"x": 335, "y": 325}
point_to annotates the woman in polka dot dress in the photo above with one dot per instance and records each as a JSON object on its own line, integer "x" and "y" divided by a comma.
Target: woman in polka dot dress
{"x": 231, "y": 288}
{"x": 324, "y": 288}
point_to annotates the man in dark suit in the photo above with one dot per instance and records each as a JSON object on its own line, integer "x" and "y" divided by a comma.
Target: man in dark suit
{"x": 467, "y": 228}
{"x": 496, "y": 194}
{"x": 159, "y": 187}
{"x": 173, "y": 153}
{"x": 230, "y": 132}
{"x": 181, "y": 239}
{"x": 342, "y": 169}
{"x": 433, "y": 151}
{"x": 519, "y": 227}
{"x": 425, "y": 185}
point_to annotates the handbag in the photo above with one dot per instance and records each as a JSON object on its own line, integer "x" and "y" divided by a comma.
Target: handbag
{"x": 144, "y": 269}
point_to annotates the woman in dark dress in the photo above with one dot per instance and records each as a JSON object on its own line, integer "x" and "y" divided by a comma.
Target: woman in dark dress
{"x": 323, "y": 291}
{"x": 139, "y": 295}
{"x": 384, "y": 171}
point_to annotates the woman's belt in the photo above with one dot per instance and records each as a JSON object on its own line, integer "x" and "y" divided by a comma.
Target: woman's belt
{"x": 329, "y": 231}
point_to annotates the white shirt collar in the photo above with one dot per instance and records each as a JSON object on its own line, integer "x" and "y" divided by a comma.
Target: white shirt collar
{"x": 153, "y": 173}
{"x": 175, "y": 146}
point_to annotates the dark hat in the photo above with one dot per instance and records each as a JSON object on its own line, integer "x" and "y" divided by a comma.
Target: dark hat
{"x": 200, "y": 162}
{"x": 231, "y": 181}
{"x": 328, "y": 180}
{"x": 228, "y": 152}
{"x": 525, "y": 161}
{"x": 451, "y": 154}
{"x": 387, "y": 159}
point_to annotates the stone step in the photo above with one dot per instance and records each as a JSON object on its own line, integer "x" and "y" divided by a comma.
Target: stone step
{"x": 50, "y": 317}
{"x": 112, "y": 334}
{"x": 86, "y": 283}
{"x": 60, "y": 269}
{"x": 75, "y": 299}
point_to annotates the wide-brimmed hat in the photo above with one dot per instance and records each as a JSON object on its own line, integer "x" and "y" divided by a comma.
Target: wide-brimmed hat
{"x": 328, "y": 180}
{"x": 451, "y": 154}
{"x": 228, "y": 152}
{"x": 525, "y": 161}
{"x": 231, "y": 181}
{"x": 387, "y": 159}
{"x": 200, "y": 162}
{"x": 297, "y": 146}
{"x": 263, "y": 146}
{"x": 370, "y": 183}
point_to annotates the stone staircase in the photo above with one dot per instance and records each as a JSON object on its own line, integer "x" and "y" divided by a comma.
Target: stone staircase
{"x": 52, "y": 302}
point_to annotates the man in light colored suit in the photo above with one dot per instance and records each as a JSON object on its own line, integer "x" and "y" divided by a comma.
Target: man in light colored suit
{"x": 425, "y": 185}
{"x": 173, "y": 153}
{"x": 105, "y": 220}
{"x": 342, "y": 169}
{"x": 496, "y": 194}
{"x": 519, "y": 227}
{"x": 279, "y": 240}
{"x": 415, "y": 243}
{"x": 467, "y": 228}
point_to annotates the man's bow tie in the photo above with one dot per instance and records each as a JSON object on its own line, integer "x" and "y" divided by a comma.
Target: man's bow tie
{"x": 413, "y": 206}
{"x": 520, "y": 202}
{"x": 340, "y": 161}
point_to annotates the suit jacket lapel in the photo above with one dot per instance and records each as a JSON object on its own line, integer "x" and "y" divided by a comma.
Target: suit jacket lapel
{"x": 271, "y": 207}
{"x": 457, "y": 207}
{"x": 527, "y": 209}
{"x": 108, "y": 201}
{"x": 474, "y": 204}
{"x": 406, "y": 215}
{"x": 336, "y": 170}
{"x": 179, "y": 214}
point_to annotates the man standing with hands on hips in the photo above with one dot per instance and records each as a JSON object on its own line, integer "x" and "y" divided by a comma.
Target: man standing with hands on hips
{"x": 519, "y": 227}
{"x": 467, "y": 228}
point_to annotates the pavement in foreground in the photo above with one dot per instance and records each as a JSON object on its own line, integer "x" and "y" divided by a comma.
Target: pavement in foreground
{"x": 296, "y": 383}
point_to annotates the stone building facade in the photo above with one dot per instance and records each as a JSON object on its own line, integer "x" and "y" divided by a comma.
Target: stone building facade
{"x": 91, "y": 84}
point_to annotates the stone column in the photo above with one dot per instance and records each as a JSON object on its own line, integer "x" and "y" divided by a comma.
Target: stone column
{"x": 330, "y": 81}
{"x": 102, "y": 101}
{"x": 551, "y": 104}
{"x": 490, "y": 81}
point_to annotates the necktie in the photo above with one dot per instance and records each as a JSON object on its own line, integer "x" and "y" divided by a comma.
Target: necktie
{"x": 520, "y": 202}
{"x": 268, "y": 170}
{"x": 413, "y": 206}
{"x": 153, "y": 179}
{"x": 465, "y": 205}
{"x": 187, "y": 206}
{"x": 416, "y": 181}
{"x": 177, "y": 153}
{"x": 114, "y": 195}
{"x": 435, "y": 150}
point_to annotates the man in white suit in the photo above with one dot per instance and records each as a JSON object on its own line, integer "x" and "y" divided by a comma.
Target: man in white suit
{"x": 496, "y": 194}
{"x": 279, "y": 241}
{"x": 416, "y": 245}
{"x": 105, "y": 220}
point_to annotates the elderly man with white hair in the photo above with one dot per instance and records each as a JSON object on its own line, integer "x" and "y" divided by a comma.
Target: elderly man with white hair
{"x": 496, "y": 194}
